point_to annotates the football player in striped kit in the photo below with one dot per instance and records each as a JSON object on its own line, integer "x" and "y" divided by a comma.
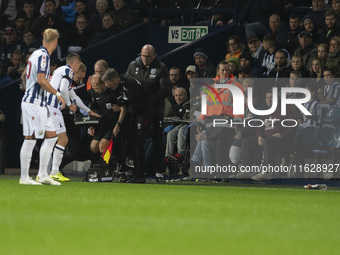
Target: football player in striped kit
{"x": 61, "y": 80}
{"x": 36, "y": 122}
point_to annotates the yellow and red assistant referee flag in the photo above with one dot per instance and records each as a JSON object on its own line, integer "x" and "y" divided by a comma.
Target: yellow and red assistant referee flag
{"x": 107, "y": 152}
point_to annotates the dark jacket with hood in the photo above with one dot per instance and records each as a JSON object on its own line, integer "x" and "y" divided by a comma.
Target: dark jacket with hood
{"x": 208, "y": 71}
{"x": 284, "y": 72}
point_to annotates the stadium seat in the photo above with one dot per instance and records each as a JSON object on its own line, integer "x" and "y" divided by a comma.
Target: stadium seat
{"x": 329, "y": 137}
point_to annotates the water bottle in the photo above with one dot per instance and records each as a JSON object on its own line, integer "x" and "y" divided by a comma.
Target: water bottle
{"x": 75, "y": 103}
{"x": 316, "y": 186}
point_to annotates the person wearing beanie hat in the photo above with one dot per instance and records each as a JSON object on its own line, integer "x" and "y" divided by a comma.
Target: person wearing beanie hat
{"x": 82, "y": 8}
{"x": 309, "y": 24}
{"x": 202, "y": 52}
{"x": 246, "y": 59}
{"x": 205, "y": 68}
{"x": 233, "y": 65}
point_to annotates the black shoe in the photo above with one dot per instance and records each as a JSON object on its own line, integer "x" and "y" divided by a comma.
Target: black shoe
{"x": 122, "y": 177}
{"x": 136, "y": 180}
{"x": 159, "y": 178}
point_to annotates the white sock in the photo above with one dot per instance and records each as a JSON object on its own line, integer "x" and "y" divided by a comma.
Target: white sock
{"x": 45, "y": 155}
{"x": 25, "y": 158}
{"x": 49, "y": 166}
{"x": 57, "y": 158}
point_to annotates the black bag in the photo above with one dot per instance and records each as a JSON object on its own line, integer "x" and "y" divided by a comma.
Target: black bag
{"x": 102, "y": 172}
{"x": 99, "y": 174}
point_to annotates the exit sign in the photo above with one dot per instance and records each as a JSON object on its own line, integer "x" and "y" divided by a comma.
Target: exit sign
{"x": 186, "y": 34}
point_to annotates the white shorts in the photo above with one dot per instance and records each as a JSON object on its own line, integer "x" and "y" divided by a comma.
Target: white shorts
{"x": 35, "y": 120}
{"x": 57, "y": 119}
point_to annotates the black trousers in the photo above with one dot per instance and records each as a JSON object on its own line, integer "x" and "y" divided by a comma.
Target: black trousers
{"x": 138, "y": 131}
{"x": 272, "y": 147}
{"x": 157, "y": 140}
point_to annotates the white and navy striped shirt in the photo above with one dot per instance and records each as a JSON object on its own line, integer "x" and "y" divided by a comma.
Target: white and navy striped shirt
{"x": 39, "y": 62}
{"x": 61, "y": 81}
{"x": 268, "y": 62}
{"x": 331, "y": 91}
{"x": 312, "y": 107}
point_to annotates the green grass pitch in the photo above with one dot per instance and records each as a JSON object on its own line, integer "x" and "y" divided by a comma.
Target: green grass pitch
{"x": 109, "y": 218}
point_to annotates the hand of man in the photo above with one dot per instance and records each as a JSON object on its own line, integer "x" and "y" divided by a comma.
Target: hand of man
{"x": 116, "y": 130}
{"x": 10, "y": 69}
{"x": 260, "y": 141}
{"x": 92, "y": 113}
{"x": 73, "y": 107}
{"x": 62, "y": 100}
{"x": 201, "y": 137}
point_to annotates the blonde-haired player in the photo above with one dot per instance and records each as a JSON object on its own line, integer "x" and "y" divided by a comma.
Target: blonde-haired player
{"x": 62, "y": 81}
{"x": 36, "y": 123}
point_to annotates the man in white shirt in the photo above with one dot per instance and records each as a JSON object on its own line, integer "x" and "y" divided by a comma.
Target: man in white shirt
{"x": 62, "y": 81}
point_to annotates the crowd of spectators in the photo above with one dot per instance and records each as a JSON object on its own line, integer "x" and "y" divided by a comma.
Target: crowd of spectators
{"x": 80, "y": 25}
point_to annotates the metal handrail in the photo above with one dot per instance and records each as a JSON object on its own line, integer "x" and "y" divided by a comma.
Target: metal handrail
{"x": 191, "y": 11}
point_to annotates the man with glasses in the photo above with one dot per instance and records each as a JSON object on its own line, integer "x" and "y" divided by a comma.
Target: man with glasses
{"x": 154, "y": 77}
